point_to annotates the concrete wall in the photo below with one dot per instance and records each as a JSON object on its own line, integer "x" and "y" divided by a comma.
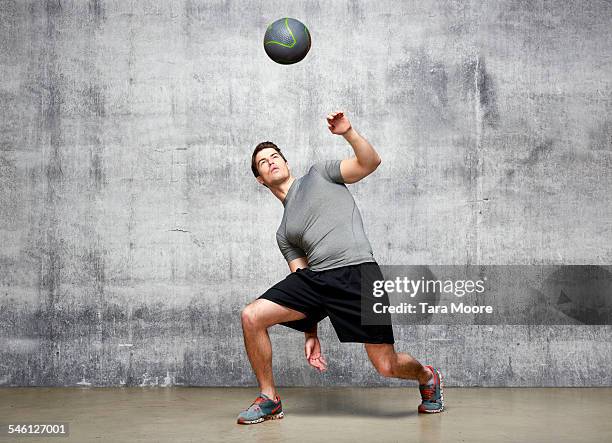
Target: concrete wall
{"x": 132, "y": 231}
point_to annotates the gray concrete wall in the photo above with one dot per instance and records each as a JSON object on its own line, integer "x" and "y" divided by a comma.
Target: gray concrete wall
{"x": 132, "y": 231}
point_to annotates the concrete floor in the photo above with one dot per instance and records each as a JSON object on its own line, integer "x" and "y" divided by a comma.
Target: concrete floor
{"x": 324, "y": 414}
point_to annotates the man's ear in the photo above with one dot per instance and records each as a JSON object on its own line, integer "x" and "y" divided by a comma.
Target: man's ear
{"x": 260, "y": 180}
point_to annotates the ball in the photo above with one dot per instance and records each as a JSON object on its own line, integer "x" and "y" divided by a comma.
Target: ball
{"x": 287, "y": 41}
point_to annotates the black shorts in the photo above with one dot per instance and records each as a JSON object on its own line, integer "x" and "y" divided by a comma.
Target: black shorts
{"x": 335, "y": 293}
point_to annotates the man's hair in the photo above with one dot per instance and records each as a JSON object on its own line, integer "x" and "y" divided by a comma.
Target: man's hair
{"x": 260, "y": 147}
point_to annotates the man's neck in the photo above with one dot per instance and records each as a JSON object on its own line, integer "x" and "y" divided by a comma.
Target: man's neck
{"x": 281, "y": 191}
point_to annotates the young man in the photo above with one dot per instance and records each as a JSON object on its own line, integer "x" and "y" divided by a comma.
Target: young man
{"x": 322, "y": 238}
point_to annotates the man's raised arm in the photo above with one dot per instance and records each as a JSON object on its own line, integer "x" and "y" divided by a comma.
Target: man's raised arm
{"x": 366, "y": 158}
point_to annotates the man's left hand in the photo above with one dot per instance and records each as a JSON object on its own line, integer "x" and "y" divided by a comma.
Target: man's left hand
{"x": 338, "y": 123}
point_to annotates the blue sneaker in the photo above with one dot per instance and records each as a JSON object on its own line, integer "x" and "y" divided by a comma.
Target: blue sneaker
{"x": 431, "y": 395}
{"x": 263, "y": 408}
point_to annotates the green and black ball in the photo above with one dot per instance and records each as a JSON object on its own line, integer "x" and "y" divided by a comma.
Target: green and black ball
{"x": 287, "y": 41}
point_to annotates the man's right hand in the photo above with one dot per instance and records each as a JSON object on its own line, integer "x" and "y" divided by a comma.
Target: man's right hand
{"x": 312, "y": 349}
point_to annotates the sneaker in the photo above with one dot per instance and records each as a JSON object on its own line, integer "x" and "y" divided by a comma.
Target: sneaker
{"x": 433, "y": 399}
{"x": 263, "y": 408}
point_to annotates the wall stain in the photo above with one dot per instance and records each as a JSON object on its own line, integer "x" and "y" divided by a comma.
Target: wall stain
{"x": 421, "y": 82}
{"x": 600, "y": 137}
{"x": 96, "y": 170}
{"x": 539, "y": 152}
{"x": 355, "y": 12}
{"x": 96, "y": 11}
{"x": 479, "y": 82}
{"x": 93, "y": 96}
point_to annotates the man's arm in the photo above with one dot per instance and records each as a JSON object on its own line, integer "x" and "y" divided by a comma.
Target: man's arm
{"x": 312, "y": 347}
{"x": 298, "y": 263}
{"x": 366, "y": 158}
{"x": 294, "y": 265}
{"x": 365, "y": 162}
{"x": 312, "y": 332}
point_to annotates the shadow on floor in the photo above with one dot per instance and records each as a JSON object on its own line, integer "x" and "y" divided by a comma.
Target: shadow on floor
{"x": 348, "y": 402}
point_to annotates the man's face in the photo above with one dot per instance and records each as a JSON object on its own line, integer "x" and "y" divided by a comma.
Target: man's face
{"x": 271, "y": 166}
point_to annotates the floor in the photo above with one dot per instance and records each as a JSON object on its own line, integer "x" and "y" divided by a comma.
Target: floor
{"x": 313, "y": 414}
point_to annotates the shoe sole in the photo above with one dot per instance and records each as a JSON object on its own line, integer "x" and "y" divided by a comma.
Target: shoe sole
{"x": 261, "y": 419}
{"x": 437, "y": 411}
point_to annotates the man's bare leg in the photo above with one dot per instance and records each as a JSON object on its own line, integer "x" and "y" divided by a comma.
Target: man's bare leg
{"x": 397, "y": 365}
{"x": 257, "y": 317}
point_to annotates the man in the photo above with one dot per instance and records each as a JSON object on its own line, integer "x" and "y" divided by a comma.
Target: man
{"x": 322, "y": 238}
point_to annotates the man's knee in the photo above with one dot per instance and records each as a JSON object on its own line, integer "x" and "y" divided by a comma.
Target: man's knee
{"x": 249, "y": 316}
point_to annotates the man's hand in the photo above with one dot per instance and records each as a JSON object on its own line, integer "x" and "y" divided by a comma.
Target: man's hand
{"x": 312, "y": 349}
{"x": 338, "y": 123}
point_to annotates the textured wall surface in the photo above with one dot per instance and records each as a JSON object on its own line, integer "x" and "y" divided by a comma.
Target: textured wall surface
{"x": 132, "y": 231}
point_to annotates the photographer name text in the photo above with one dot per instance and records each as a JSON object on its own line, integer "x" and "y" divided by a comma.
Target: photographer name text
{"x": 427, "y": 308}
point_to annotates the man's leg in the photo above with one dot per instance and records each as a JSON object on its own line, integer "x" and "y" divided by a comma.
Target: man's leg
{"x": 257, "y": 317}
{"x": 392, "y": 364}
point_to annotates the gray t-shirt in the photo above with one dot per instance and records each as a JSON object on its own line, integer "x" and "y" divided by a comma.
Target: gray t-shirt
{"x": 322, "y": 222}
